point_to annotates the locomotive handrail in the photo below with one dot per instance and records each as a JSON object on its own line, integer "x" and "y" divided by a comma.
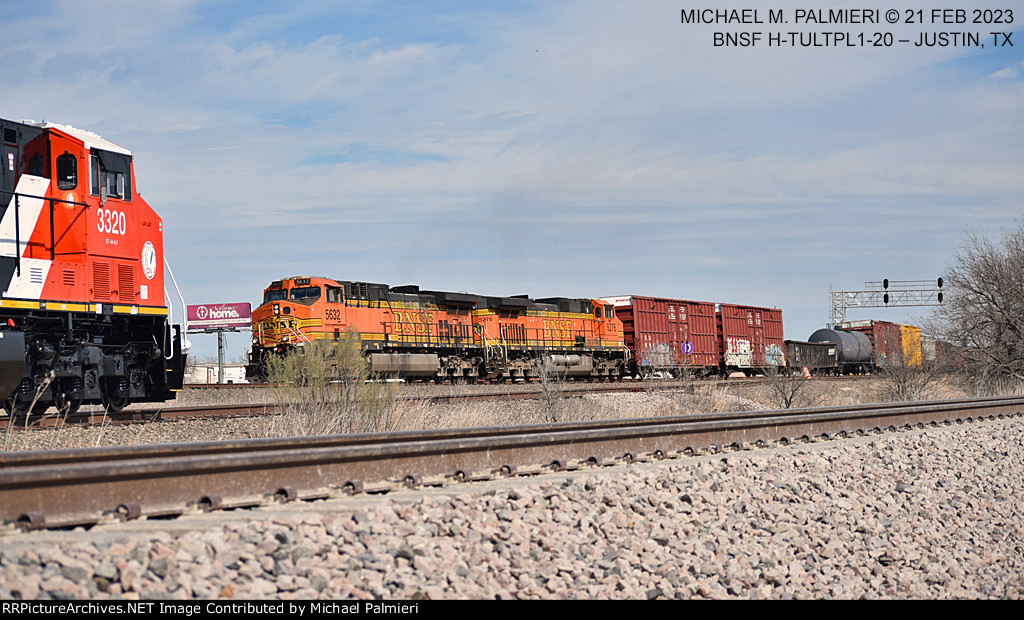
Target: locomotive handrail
{"x": 185, "y": 344}
{"x": 73, "y": 202}
{"x": 17, "y": 223}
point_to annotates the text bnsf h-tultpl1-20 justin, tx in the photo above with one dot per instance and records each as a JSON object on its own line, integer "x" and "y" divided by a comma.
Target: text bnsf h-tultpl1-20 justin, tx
{"x": 863, "y": 27}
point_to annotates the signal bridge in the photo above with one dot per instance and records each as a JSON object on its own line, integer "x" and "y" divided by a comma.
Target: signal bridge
{"x": 887, "y": 294}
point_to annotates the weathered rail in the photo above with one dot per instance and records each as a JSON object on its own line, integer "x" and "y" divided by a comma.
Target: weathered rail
{"x": 71, "y": 487}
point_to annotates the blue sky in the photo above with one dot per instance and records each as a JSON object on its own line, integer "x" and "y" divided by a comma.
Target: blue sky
{"x": 555, "y": 149}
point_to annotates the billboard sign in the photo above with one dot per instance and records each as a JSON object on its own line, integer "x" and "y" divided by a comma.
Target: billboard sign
{"x": 229, "y": 316}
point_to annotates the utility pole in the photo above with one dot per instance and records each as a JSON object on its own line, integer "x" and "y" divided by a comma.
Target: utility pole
{"x": 886, "y": 294}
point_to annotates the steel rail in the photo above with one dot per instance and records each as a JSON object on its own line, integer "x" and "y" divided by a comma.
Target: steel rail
{"x": 147, "y": 414}
{"x": 124, "y": 453}
{"x": 61, "y": 488}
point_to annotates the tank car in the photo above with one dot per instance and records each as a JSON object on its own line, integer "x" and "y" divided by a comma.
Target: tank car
{"x": 83, "y": 319}
{"x": 853, "y": 349}
{"x": 440, "y": 335}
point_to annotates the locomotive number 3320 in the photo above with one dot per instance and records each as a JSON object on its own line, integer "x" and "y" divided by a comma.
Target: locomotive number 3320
{"x": 110, "y": 221}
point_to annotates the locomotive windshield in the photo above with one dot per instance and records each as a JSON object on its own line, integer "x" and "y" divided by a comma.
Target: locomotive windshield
{"x": 276, "y": 295}
{"x": 306, "y": 292}
{"x": 112, "y": 172}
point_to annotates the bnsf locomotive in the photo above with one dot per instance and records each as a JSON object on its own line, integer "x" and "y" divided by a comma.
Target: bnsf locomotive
{"x": 83, "y": 318}
{"x": 440, "y": 335}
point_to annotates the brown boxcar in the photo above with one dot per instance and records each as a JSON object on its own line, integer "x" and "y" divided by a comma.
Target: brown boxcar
{"x": 668, "y": 335}
{"x": 750, "y": 337}
{"x": 884, "y": 337}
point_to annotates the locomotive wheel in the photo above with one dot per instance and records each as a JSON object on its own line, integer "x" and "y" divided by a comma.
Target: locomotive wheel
{"x": 19, "y": 410}
{"x": 15, "y": 409}
{"x": 65, "y": 404}
{"x": 110, "y": 399}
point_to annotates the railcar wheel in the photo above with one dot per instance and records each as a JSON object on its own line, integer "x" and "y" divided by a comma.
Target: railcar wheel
{"x": 14, "y": 409}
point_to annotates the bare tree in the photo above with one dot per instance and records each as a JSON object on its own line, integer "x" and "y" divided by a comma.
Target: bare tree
{"x": 903, "y": 380}
{"x": 787, "y": 390}
{"x": 983, "y": 313}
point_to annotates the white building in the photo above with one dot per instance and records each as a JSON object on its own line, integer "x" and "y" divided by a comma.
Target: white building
{"x": 207, "y": 373}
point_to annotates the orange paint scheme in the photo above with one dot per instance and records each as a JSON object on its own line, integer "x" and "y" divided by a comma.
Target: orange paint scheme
{"x": 439, "y": 334}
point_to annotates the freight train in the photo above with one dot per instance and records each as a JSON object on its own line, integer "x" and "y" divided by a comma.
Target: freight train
{"x": 412, "y": 333}
{"x": 83, "y": 319}
{"x": 445, "y": 336}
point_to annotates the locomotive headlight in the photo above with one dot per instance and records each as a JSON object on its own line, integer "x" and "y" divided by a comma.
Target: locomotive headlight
{"x": 277, "y": 309}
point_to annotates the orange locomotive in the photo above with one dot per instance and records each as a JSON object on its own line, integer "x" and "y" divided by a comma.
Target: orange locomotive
{"x": 82, "y": 311}
{"x": 440, "y": 335}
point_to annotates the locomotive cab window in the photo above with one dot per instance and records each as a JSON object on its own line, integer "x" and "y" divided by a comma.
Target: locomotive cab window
{"x": 609, "y": 312}
{"x": 306, "y": 293}
{"x": 111, "y": 172}
{"x": 275, "y": 295}
{"x": 597, "y": 312}
{"x": 67, "y": 171}
{"x": 334, "y": 295}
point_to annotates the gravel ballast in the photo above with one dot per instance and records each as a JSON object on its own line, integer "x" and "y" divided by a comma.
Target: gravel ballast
{"x": 935, "y": 513}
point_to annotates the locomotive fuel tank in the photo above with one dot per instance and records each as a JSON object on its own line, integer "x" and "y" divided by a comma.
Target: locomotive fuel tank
{"x": 12, "y": 361}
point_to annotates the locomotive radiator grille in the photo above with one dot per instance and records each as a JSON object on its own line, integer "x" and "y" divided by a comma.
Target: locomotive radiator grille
{"x": 101, "y": 281}
{"x": 126, "y": 283}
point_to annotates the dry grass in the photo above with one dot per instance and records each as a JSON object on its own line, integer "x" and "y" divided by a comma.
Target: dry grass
{"x": 325, "y": 388}
{"x": 384, "y": 408}
{"x": 555, "y": 401}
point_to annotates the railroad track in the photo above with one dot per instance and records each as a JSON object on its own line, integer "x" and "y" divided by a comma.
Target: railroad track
{"x": 511, "y": 391}
{"x": 148, "y": 414}
{"x": 524, "y": 384}
{"x": 85, "y": 486}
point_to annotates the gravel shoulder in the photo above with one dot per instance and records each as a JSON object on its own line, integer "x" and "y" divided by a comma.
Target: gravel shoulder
{"x": 929, "y": 514}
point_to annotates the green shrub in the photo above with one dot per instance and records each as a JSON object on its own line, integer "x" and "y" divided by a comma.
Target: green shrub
{"x": 326, "y": 388}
